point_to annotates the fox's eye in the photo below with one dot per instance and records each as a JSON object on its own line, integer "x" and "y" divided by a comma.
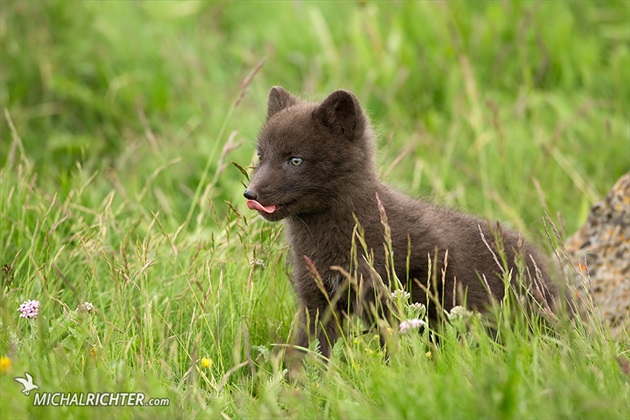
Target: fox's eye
{"x": 295, "y": 161}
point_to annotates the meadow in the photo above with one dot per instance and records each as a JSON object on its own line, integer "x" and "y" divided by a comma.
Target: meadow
{"x": 120, "y": 124}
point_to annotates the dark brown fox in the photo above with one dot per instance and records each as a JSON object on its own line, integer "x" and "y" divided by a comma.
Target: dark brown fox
{"x": 317, "y": 173}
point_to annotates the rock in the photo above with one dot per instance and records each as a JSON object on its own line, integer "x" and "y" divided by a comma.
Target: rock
{"x": 599, "y": 255}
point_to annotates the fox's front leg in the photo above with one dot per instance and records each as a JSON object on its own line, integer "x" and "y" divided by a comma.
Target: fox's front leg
{"x": 372, "y": 302}
{"x": 313, "y": 323}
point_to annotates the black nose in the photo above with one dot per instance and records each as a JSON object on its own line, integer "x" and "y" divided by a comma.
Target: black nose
{"x": 250, "y": 195}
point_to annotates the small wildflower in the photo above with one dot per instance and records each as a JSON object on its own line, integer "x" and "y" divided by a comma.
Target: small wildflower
{"x": 29, "y": 309}
{"x": 401, "y": 293}
{"x": 416, "y": 310}
{"x": 86, "y": 307}
{"x": 93, "y": 352}
{"x": 428, "y": 354}
{"x": 263, "y": 351}
{"x": 459, "y": 318}
{"x": 206, "y": 363}
{"x": 410, "y": 324}
{"x": 5, "y": 364}
{"x": 459, "y": 312}
{"x": 257, "y": 262}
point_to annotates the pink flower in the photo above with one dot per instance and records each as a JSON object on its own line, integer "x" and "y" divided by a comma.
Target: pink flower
{"x": 410, "y": 324}
{"x": 29, "y": 309}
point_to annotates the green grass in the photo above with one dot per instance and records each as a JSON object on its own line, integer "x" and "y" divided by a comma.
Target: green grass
{"x": 121, "y": 119}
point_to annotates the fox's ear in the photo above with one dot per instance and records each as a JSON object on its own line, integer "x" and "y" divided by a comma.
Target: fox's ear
{"x": 341, "y": 113}
{"x": 279, "y": 99}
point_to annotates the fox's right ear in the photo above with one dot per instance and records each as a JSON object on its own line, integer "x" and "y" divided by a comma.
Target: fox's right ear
{"x": 279, "y": 99}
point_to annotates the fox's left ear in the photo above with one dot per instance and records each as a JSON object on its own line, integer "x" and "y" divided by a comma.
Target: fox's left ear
{"x": 341, "y": 113}
{"x": 279, "y": 99}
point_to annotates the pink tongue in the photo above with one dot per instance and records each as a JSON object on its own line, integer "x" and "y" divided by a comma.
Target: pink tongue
{"x": 255, "y": 205}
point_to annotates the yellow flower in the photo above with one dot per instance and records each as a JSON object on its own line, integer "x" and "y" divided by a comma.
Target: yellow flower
{"x": 206, "y": 363}
{"x": 5, "y": 364}
{"x": 428, "y": 354}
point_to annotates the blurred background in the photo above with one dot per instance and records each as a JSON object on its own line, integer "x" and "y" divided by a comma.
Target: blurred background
{"x": 505, "y": 108}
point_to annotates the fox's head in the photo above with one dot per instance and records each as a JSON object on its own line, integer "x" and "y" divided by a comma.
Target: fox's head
{"x": 311, "y": 156}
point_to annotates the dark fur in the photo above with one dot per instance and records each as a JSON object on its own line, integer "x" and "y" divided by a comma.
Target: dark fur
{"x": 337, "y": 182}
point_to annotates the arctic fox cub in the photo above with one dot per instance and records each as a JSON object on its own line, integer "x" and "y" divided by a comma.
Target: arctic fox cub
{"x": 317, "y": 172}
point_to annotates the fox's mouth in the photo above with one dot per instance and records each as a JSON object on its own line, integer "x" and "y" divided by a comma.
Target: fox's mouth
{"x": 255, "y": 205}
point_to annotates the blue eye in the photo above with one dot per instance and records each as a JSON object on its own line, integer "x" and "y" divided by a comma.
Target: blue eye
{"x": 296, "y": 161}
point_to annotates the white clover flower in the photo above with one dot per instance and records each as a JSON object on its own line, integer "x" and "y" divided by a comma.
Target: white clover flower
{"x": 401, "y": 293}
{"x": 459, "y": 312}
{"x": 416, "y": 310}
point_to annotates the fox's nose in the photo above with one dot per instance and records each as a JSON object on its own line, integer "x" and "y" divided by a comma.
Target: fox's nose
{"x": 250, "y": 195}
